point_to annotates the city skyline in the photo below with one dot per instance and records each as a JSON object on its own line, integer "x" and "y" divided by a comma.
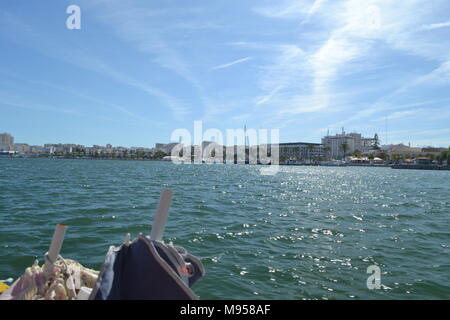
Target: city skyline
{"x": 365, "y": 143}
{"x": 136, "y": 70}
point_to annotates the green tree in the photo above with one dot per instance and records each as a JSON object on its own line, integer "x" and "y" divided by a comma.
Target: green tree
{"x": 326, "y": 151}
{"x": 310, "y": 150}
{"x": 159, "y": 154}
{"x": 357, "y": 154}
{"x": 444, "y": 157}
{"x": 283, "y": 159}
{"x": 395, "y": 157}
{"x": 376, "y": 142}
{"x": 344, "y": 148}
{"x": 383, "y": 155}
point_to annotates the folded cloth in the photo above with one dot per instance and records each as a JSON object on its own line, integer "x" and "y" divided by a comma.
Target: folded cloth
{"x": 147, "y": 270}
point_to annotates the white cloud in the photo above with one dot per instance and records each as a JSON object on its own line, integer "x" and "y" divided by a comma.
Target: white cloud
{"x": 349, "y": 35}
{"x": 290, "y": 9}
{"x": 227, "y": 65}
{"x": 436, "y": 26}
{"x": 313, "y": 10}
{"x": 399, "y": 115}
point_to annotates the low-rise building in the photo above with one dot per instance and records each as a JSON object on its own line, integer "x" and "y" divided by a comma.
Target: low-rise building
{"x": 165, "y": 147}
{"x": 433, "y": 151}
{"x": 423, "y": 161}
{"x": 301, "y": 151}
{"x": 403, "y": 151}
{"x": 21, "y": 148}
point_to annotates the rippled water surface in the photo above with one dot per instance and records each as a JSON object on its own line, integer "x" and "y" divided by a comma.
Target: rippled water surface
{"x": 305, "y": 233}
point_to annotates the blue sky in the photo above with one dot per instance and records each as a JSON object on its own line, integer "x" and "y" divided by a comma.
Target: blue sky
{"x": 137, "y": 70}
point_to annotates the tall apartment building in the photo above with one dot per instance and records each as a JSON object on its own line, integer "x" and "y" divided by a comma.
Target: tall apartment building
{"x": 6, "y": 142}
{"x": 334, "y": 145}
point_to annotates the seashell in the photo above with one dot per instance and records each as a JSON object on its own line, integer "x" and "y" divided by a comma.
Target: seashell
{"x": 26, "y": 287}
{"x": 66, "y": 277}
{"x": 70, "y": 287}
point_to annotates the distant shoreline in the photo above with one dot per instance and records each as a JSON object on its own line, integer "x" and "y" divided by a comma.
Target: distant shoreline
{"x": 398, "y": 166}
{"x": 80, "y": 158}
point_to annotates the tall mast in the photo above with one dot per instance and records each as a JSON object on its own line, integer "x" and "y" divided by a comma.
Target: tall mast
{"x": 245, "y": 135}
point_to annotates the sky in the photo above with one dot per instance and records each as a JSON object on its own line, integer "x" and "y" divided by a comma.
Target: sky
{"x": 139, "y": 69}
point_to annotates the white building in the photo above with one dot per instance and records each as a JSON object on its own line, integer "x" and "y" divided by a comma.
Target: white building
{"x": 335, "y": 146}
{"x": 301, "y": 151}
{"x": 21, "y": 148}
{"x": 403, "y": 151}
{"x": 165, "y": 147}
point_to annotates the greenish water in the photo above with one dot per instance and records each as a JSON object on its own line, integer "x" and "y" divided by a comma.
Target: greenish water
{"x": 307, "y": 232}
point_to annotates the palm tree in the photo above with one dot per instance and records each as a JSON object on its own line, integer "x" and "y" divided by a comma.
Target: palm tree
{"x": 344, "y": 148}
{"x": 326, "y": 150}
{"x": 310, "y": 150}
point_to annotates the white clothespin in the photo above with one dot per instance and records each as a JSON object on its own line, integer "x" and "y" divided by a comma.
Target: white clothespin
{"x": 54, "y": 250}
{"x": 159, "y": 223}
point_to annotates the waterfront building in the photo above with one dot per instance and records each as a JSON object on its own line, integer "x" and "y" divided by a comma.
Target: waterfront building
{"x": 21, "y": 148}
{"x": 6, "y": 142}
{"x": 49, "y": 149}
{"x": 334, "y": 145}
{"x": 423, "y": 161}
{"x": 165, "y": 147}
{"x": 433, "y": 151}
{"x": 344, "y": 144}
{"x": 301, "y": 151}
{"x": 63, "y": 148}
{"x": 403, "y": 151}
{"x": 36, "y": 149}
{"x": 366, "y": 145}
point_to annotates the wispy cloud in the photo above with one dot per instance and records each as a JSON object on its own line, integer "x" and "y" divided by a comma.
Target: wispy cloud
{"x": 39, "y": 107}
{"x": 300, "y": 79}
{"x": 268, "y": 97}
{"x": 313, "y": 62}
{"x": 436, "y": 26}
{"x": 307, "y": 84}
{"x": 82, "y": 58}
{"x": 314, "y": 8}
{"x": 72, "y": 93}
{"x": 227, "y": 65}
{"x": 400, "y": 115}
{"x": 131, "y": 23}
{"x": 289, "y": 9}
